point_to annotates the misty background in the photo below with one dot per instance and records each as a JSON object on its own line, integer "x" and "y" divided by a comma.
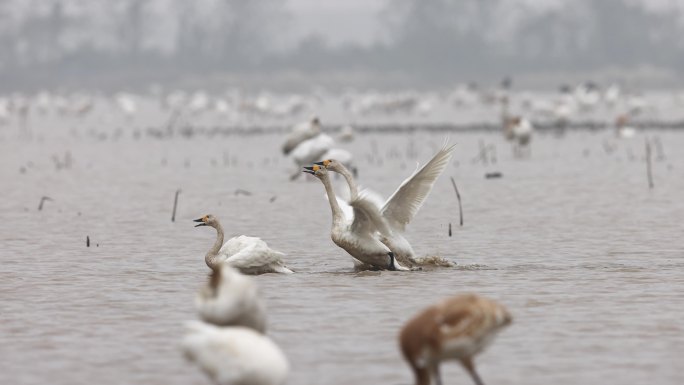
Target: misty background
{"x": 302, "y": 43}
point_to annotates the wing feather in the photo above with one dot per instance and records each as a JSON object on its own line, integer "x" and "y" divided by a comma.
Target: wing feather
{"x": 367, "y": 217}
{"x": 402, "y": 206}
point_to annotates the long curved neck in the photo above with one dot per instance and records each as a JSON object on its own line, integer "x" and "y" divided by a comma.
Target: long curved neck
{"x": 337, "y": 214}
{"x": 353, "y": 187}
{"x": 210, "y": 258}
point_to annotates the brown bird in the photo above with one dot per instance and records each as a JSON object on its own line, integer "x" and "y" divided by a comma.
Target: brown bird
{"x": 457, "y": 328}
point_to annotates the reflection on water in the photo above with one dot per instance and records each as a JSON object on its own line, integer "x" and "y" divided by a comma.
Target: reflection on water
{"x": 588, "y": 260}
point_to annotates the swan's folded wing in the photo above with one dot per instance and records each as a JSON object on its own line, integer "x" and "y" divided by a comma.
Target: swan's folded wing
{"x": 254, "y": 255}
{"x": 403, "y": 205}
{"x": 367, "y": 217}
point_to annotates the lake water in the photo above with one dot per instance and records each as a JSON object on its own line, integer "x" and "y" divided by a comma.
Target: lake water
{"x": 587, "y": 258}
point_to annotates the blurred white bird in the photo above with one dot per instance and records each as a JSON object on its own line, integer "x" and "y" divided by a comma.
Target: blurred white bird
{"x": 234, "y": 355}
{"x": 231, "y": 299}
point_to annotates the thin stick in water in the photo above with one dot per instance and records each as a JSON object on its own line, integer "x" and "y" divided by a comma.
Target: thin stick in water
{"x": 87, "y": 241}
{"x": 458, "y": 196}
{"x": 175, "y": 204}
{"x": 649, "y": 173}
{"x": 449, "y": 228}
{"x": 42, "y": 200}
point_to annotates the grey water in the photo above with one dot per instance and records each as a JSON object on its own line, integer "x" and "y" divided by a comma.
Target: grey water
{"x": 587, "y": 258}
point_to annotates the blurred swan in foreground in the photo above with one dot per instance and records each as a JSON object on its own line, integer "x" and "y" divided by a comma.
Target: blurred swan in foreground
{"x": 357, "y": 236}
{"x": 400, "y": 208}
{"x": 235, "y": 355}
{"x": 457, "y": 328}
{"x": 231, "y": 299}
{"x": 250, "y": 255}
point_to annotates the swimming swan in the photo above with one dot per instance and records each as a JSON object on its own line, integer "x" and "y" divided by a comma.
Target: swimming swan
{"x": 234, "y": 355}
{"x": 357, "y": 236}
{"x": 250, "y": 255}
{"x": 231, "y": 299}
{"x": 404, "y": 203}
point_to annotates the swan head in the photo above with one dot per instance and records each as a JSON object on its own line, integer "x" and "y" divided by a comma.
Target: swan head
{"x": 316, "y": 170}
{"x": 207, "y": 220}
{"x": 330, "y": 164}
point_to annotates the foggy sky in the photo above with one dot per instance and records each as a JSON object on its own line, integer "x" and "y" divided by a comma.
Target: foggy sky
{"x": 432, "y": 40}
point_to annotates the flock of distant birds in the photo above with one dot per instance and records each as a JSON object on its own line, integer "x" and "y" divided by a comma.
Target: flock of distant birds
{"x": 230, "y": 343}
{"x": 569, "y": 104}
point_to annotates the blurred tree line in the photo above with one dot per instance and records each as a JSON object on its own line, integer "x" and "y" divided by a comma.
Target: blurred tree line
{"x": 42, "y": 40}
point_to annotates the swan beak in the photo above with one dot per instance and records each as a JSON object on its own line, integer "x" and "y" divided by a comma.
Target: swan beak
{"x": 323, "y": 163}
{"x": 201, "y": 222}
{"x": 308, "y": 170}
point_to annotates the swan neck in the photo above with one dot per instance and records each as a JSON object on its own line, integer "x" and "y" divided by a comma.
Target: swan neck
{"x": 353, "y": 187}
{"x": 210, "y": 258}
{"x": 337, "y": 214}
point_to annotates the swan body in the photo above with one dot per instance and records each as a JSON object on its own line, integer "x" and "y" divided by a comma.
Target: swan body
{"x": 234, "y": 355}
{"x": 300, "y": 133}
{"x": 522, "y": 131}
{"x": 357, "y": 235}
{"x": 622, "y": 129}
{"x": 250, "y": 255}
{"x": 457, "y": 328}
{"x": 400, "y": 208}
{"x": 231, "y": 299}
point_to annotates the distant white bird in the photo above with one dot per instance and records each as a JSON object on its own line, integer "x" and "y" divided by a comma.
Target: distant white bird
{"x": 231, "y": 299}
{"x": 300, "y": 133}
{"x": 250, "y": 255}
{"x": 622, "y": 129}
{"x": 235, "y": 355}
{"x": 346, "y": 134}
{"x": 357, "y": 235}
{"x": 126, "y": 104}
{"x": 400, "y": 208}
{"x": 457, "y": 328}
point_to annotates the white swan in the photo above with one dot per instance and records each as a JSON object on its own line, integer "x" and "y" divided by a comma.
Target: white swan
{"x": 235, "y": 355}
{"x": 231, "y": 299}
{"x": 622, "y": 128}
{"x": 404, "y": 203}
{"x": 250, "y": 255}
{"x": 317, "y": 148}
{"x": 300, "y": 133}
{"x": 357, "y": 236}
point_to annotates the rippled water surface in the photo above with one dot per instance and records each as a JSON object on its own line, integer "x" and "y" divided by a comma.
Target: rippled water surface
{"x": 588, "y": 259}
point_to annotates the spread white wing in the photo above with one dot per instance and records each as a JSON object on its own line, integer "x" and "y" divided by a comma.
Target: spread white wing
{"x": 402, "y": 206}
{"x": 367, "y": 217}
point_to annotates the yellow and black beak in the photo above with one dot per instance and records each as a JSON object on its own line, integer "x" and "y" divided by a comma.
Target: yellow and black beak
{"x": 201, "y": 222}
{"x": 309, "y": 170}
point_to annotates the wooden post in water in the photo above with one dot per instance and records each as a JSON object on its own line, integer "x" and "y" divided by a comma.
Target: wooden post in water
{"x": 42, "y": 200}
{"x": 175, "y": 204}
{"x": 449, "y": 228}
{"x": 458, "y": 196}
{"x": 87, "y": 241}
{"x": 649, "y": 173}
